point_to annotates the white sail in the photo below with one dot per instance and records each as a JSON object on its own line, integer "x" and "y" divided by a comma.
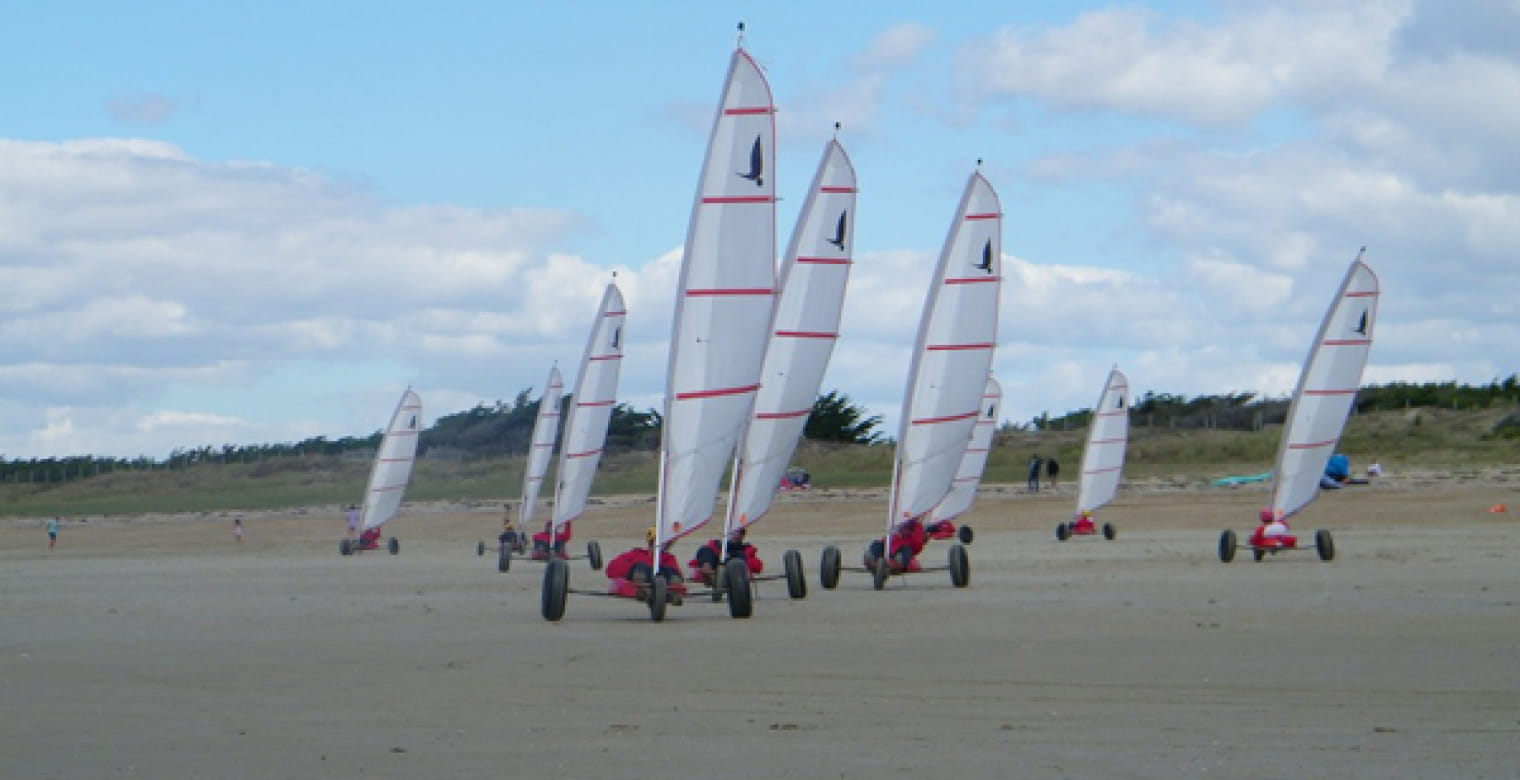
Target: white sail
{"x": 1107, "y": 437}
{"x": 952, "y": 355}
{"x": 541, "y": 448}
{"x": 803, "y": 331}
{"x": 723, "y": 305}
{"x": 590, "y": 409}
{"x": 969, "y": 475}
{"x": 393, "y": 463}
{"x": 1326, "y": 389}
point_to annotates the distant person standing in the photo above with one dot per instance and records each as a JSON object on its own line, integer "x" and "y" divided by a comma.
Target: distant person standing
{"x": 52, "y": 528}
{"x": 352, "y": 517}
{"x": 1052, "y": 468}
{"x": 1375, "y": 470}
{"x": 237, "y": 529}
{"x": 1034, "y": 473}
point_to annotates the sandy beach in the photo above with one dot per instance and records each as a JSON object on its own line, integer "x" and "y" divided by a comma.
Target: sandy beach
{"x": 156, "y": 646}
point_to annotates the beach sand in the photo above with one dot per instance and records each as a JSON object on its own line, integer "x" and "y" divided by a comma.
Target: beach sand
{"x": 156, "y": 646}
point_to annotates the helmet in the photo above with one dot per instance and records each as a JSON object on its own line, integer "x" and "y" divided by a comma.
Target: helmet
{"x": 1087, "y": 513}
{"x": 1267, "y": 516}
{"x": 649, "y": 535}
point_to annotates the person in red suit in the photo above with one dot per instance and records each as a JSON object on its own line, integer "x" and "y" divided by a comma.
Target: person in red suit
{"x": 710, "y": 557}
{"x": 541, "y": 542}
{"x": 908, "y": 540}
{"x": 631, "y": 572}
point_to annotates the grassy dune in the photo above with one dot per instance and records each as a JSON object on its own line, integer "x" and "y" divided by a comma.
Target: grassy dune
{"x": 1419, "y": 439}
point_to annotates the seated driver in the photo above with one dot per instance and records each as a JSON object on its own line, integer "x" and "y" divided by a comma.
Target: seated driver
{"x": 908, "y": 540}
{"x": 710, "y": 558}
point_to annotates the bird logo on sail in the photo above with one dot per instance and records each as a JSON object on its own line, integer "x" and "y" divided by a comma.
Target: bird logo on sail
{"x": 991, "y": 411}
{"x": 986, "y": 264}
{"x": 1361, "y": 325}
{"x": 756, "y": 164}
{"x": 617, "y": 333}
{"x": 839, "y": 229}
{"x": 413, "y": 423}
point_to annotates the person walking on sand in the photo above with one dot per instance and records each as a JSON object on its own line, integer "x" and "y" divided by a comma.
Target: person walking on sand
{"x": 52, "y": 528}
{"x": 1034, "y": 473}
{"x": 237, "y": 529}
{"x": 1052, "y": 468}
{"x": 352, "y": 517}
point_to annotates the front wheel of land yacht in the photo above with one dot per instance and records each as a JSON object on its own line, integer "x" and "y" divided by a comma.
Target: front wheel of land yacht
{"x": 556, "y": 589}
{"x": 346, "y": 547}
{"x": 828, "y": 568}
{"x": 1063, "y": 532}
{"x": 960, "y": 567}
{"x": 1258, "y": 553}
{"x": 659, "y": 598}
{"x": 741, "y": 600}
{"x": 394, "y": 546}
{"x": 1324, "y": 544}
{"x": 879, "y": 575}
{"x": 480, "y": 548}
{"x": 965, "y": 534}
{"x": 504, "y": 559}
{"x": 796, "y": 580}
{"x": 594, "y": 555}
{"x": 1108, "y": 531}
{"x": 1227, "y": 546}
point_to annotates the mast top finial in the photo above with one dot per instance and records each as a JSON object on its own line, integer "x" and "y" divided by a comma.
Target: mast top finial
{"x": 741, "y": 33}
{"x": 836, "y": 130}
{"x": 978, "y": 162}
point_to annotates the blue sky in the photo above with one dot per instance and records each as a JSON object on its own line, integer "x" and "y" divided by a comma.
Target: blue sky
{"x": 249, "y": 222}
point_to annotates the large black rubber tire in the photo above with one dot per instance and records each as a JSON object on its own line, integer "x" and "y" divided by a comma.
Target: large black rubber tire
{"x": 880, "y": 574}
{"x": 480, "y": 548}
{"x": 1257, "y": 553}
{"x": 965, "y": 534}
{"x": 394, "y": 545}
{"x": 828, "y": 568}
{"x": 659, "y": 598}
{"x": 1063, "y": 532}
{"x": 1108, "y": 531}
{"x": 1227, "y": 545}
{"x": 556, "y": 590}
{"x": 504, "y": 559}
{"x": 1324, "y": 544}
{"x": 741, "y": 599}
{"x": 594, "y": 555}
{"x": 345, "y": 547}
{"x": 960, "y": 566}
{"x": 796, "y": 579}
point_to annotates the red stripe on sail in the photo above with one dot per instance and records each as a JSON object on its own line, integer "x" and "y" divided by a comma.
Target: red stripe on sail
{"x": 387, "y": 488}
{"x": 606, "y": 357}
{"x": 699, "y": 394}
{"x": 586, "y": 454}
{"x": 973, "y": 279}
{"x": 806, "y": 334}
{"x": 704, "y": 292}
{"x": 827, "y": 188}
{"x": 825, "y": 260}
{"x": 948, "y": 418}
{"x": 1102, "y": 471}
{"x": 614, "y": 314}
{"x": 783, "y": 415}
{"x": 748, "y": 110}
{"x": 1372, "y": 294}
{"x": 1114, "y": 413}
{"x": 951, "y": 347}
{"x": 1107, "y": 441}
{"x": 739, "y": 199}
{"x": 1346, "y": 342}
{"x": 983, "y": 215}
{"x": 1310, "y": 445}
{"x": 595, "y": 403}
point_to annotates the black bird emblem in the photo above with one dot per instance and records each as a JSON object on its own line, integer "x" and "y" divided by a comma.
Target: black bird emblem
{"x": 991, "y": 410}
{"x": 413, "y": 423}
{"x": 1361, "y": 325}
{"x": 756, "y": 165}
{"x": 986, "y": 264}
{"x": 838, "y": 239}
{"x": 1121, "y": 403}
{"x": 617, "y": 333}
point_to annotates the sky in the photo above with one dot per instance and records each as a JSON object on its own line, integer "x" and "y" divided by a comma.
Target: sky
{"x": 258, "y": 222}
